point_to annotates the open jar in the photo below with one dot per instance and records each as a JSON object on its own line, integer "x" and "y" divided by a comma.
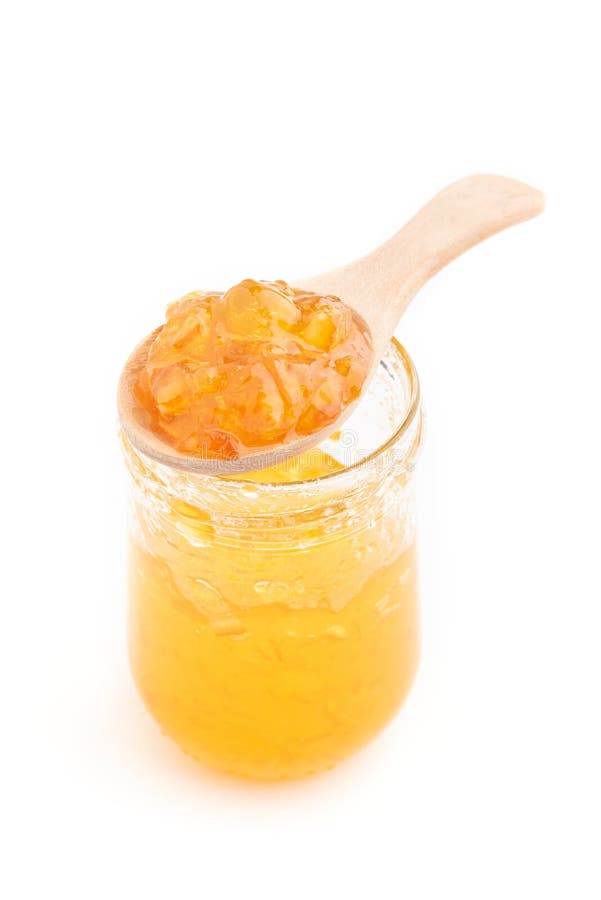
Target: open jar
{"x": 273, "y": 620}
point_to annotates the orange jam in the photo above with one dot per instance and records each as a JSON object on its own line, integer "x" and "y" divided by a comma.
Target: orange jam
{"x": 272, "y": 634}
{"x": 257, "y": 366}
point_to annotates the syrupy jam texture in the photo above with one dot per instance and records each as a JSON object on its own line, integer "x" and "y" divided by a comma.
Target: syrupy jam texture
{"x": 265, "y": 654}
{"x": 254, "y": 367}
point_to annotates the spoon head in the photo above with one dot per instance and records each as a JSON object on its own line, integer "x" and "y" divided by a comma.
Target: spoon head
{"x": 143, "y": 438}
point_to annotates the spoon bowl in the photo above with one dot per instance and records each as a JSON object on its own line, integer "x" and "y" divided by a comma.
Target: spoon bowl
{"x": 145, "y": 440}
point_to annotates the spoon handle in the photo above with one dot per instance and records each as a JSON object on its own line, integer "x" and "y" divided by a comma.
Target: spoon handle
{"x": 380, "y": 285}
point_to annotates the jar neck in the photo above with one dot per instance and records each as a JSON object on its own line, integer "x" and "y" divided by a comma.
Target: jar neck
{"x": 316, "y": 509}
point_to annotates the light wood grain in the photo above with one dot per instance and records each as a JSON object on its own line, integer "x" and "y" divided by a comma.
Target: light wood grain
{"x": 381, "y": 285}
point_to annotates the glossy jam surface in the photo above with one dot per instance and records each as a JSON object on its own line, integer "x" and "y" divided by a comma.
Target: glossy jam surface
{"x": 257, "y": 366}
{"x": 272, "y": 651}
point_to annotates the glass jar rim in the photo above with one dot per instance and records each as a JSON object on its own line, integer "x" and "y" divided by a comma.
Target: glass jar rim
{"x": 332, "y": 478}
{"x": 345, "y": 498}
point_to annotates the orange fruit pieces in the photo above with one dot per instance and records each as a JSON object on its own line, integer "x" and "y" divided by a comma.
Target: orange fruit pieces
{"x": 252, "y": 367}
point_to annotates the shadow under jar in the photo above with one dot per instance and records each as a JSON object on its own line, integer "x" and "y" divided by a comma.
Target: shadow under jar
{"x": 273, "y": 618}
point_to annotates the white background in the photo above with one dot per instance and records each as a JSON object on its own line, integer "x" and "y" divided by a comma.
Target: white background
{"x": 153, "y": 148}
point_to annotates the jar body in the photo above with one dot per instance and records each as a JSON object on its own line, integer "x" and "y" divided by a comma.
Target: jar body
{"x": 273, "y": 643}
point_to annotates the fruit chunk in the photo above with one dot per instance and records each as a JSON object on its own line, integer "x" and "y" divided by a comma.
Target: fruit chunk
{"x": 252, "y": 310}
{"x": 320, "y": 330}
{"x": 253, "y": 367}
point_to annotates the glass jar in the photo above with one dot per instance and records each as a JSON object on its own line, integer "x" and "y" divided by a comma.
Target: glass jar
{"x": 273, "y": 625}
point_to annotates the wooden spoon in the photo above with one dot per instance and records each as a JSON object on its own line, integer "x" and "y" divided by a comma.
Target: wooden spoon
{"x": 378, "y": 287}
